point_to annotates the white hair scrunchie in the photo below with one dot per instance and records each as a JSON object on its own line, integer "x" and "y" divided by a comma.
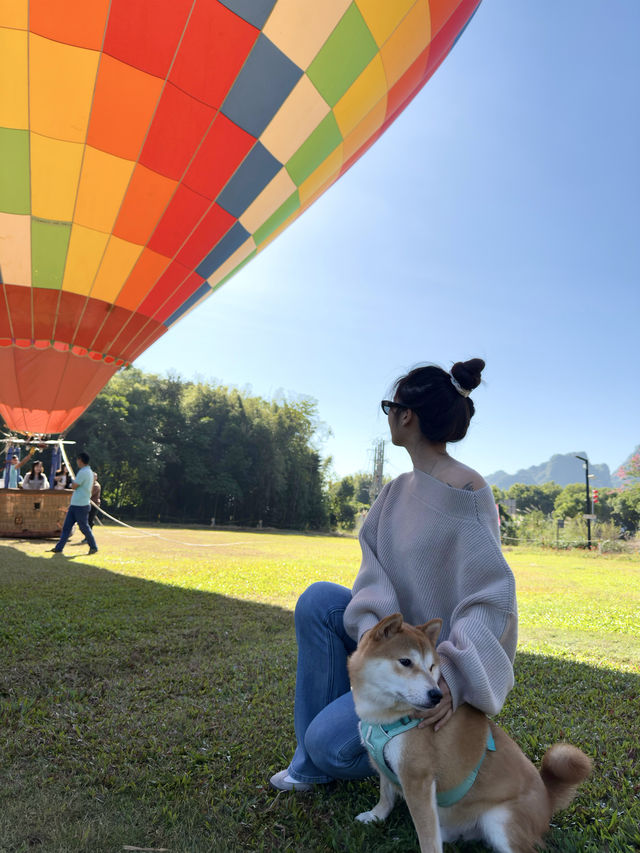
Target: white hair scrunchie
{"x": 458, "y": 386}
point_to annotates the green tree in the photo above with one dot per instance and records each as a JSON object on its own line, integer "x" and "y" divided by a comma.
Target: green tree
{"x": 626, "y": 509}
{"x": 343, "y": 507}
{"x": 119, "y": 431}
{"x": 498, "y": 494}
{"x": 530, "y": 497}
{"x": 192, "y": 451}
{"x": 363, "y": 483}
{"x": 570, "y": 502}
{"x": 603, "y": 509}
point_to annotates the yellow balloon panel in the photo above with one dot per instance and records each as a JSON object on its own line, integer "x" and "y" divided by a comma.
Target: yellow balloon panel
{"x": 367, "y": 92}
{"x": 406, "y": 42}
{"x": 117, "y": 263}
{"x": 103, "y": 184}
{"x": 14, "y": 79}
{"x": 61, "y": 85}
{"x": 383, "y": 17}
{"x": 55, "y": 169}
{"x": 14, "y": 13}
{"x": 86, "y": 249}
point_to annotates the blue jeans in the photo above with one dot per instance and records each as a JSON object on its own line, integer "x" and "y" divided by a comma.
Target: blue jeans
{"x": 76, "y": 515}
{"x": 326, "y": 724}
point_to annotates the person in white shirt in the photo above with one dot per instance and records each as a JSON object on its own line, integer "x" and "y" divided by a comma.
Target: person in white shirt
{"x": 430, "y": 548}
{"x": 78, "y": 512}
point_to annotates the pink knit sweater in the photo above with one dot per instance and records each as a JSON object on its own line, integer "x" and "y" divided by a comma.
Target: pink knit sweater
{"x": 429, "y": 550}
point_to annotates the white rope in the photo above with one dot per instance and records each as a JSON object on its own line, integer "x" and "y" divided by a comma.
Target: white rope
{"x": 146, "y": 533}
{"x": 166, "y": 539}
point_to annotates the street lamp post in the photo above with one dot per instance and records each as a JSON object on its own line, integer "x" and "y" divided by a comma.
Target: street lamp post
{"x": 588, "y": 500}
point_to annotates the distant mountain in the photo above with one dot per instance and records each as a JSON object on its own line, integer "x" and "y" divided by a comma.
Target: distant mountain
{"x": 562, "y": 468}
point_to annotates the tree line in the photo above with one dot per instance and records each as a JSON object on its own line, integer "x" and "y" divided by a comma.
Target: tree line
{"x": 549, "y": 511}
{"x": 192, "y": 452}
{"x": 167, "y": 449}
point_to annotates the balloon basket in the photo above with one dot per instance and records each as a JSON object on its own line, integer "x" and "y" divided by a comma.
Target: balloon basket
{"x": 32, "y": 514}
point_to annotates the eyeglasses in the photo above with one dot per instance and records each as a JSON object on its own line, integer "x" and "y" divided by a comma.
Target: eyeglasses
{"x": 387, "y": 405}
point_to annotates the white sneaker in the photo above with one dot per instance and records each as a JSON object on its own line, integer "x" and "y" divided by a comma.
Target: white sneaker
{"x": 283, "y": 782}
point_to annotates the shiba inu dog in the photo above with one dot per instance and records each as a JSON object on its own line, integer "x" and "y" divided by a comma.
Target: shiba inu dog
{"x": 468, "y": 780}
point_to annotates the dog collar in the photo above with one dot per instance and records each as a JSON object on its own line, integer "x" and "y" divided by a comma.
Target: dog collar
{"x": 375, "y": 736}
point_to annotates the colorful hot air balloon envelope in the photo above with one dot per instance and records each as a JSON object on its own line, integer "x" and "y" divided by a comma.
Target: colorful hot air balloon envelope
{"x": 150, "y": 148}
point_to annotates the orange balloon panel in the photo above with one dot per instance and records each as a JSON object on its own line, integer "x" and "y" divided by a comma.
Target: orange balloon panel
{"x": 150, "y": 148}
{"x": 59, "y": 386}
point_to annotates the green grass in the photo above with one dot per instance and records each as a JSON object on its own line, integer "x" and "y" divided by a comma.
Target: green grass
{"x": 146, "y": 695}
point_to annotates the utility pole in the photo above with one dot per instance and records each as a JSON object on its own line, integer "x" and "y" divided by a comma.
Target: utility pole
{"x": 378, "y": 466}
{"x": 587, "y": 513}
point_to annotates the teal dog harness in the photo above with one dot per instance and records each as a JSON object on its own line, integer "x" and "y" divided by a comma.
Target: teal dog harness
{"x": 376, "y": 736}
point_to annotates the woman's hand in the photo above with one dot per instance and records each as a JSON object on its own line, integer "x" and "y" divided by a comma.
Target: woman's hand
{"x": 439, "y": 715}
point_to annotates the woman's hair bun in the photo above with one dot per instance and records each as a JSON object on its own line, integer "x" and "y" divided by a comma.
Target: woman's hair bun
{"x": 443, "y": 412}
{"x": 468, "y": 373}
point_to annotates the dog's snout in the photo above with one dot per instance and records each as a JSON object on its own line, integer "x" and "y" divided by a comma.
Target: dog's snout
{"x": 434, "y": 695}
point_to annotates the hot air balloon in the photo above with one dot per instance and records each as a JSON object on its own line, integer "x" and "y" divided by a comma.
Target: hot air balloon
{"x": 150, "y": 148}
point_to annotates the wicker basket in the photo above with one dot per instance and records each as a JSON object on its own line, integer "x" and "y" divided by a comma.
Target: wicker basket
{"x": 33, "y": 514}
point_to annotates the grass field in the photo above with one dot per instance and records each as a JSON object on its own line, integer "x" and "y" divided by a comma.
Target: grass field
{"x": 146, "y": 694}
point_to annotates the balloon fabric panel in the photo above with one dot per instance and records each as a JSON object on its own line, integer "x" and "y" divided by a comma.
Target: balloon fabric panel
{"x": 14, "y": 171}
{"x": 73, "y": 22}
{"x": 14, "y": 104}
{"x": 150, "y": 148}
{"x": 146, "y": 35}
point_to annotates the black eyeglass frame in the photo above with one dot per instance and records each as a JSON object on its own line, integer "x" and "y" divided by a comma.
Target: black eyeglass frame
{"x": 387, "y": 405}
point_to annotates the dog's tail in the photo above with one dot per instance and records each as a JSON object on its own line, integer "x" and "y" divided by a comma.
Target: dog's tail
{"x": 563, "y": 768}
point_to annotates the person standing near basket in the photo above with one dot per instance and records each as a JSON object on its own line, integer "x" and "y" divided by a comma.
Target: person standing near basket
{"x": 96, "y": 491}
{"x": 78, "y": 512}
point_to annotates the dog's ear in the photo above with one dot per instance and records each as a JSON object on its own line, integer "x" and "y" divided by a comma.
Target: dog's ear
{"x": 387, "y": 627}
{"x": 431, "y": 630}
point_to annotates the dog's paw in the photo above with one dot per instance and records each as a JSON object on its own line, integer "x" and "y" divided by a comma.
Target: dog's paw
{"x": 367, "y": 817}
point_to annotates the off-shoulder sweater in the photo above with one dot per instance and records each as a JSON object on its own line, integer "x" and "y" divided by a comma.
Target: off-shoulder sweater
{"x": 429, "y": 550}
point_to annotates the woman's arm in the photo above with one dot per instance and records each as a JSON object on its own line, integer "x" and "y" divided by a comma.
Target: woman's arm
{"x": 476, "y": 659}
{"x": 479, "y": 666}
{"x": 18, "y": 463}
{"x": 373, "y": 596}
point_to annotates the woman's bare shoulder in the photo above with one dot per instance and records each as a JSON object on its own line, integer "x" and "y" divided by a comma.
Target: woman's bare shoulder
{"x": 460, "y": 476}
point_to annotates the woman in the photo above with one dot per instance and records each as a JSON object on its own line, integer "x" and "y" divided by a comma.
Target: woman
{"x": 430, "y": 548}
{"x": 35, "y": 478}
{"x": 62, "y": 478}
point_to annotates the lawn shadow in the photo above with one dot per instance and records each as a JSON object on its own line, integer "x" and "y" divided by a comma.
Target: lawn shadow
{"x": 139, "y": 713}
{"x": 132, "y": 711}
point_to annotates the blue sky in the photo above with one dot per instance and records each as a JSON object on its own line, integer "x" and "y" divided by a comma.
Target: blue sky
{"x": 498, "y": 217}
